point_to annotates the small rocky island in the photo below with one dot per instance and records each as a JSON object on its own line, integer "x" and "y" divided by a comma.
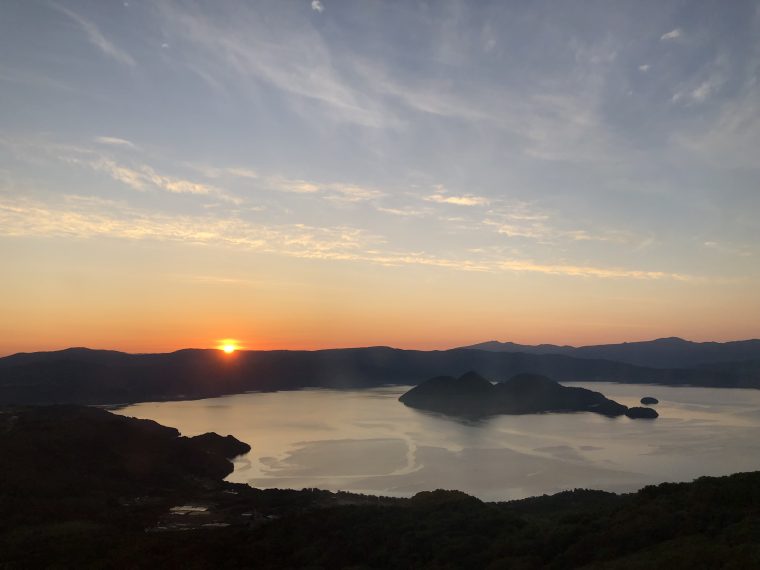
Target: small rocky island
{"x": 471, "y": 395}
{"x": 649, "y": 401}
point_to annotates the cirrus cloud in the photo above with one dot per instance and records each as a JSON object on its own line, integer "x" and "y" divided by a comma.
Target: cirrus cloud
{"x": 671, "y": 35}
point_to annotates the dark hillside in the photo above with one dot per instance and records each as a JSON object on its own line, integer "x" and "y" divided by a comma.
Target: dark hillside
{"x": 105, "y": 377}
{"x": 672, "y": 352}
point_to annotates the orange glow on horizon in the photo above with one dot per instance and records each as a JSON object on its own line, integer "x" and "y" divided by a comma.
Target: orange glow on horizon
{"x": 228, "y": 345}
{"x": 413, "y": 309}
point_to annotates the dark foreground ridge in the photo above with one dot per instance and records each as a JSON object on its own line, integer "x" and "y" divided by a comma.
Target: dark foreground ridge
{"x": 472, "y": 395}
{"x": 83, "y": 376}
{"x": 82, "y": 488}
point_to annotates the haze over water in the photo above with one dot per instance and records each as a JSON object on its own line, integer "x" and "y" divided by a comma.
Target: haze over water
{"x": 366, "y": 441}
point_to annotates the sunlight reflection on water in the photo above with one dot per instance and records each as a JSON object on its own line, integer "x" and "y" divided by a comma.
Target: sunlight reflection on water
{"x": 367, "y": 441}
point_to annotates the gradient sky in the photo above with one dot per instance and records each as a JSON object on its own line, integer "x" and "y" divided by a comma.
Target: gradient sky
{"x": 321, "y": 173}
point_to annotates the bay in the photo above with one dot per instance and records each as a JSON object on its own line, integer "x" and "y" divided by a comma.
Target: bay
{"x": 366, "y": 441}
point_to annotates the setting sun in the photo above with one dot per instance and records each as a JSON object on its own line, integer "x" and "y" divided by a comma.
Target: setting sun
{"x": 228, "y": 345}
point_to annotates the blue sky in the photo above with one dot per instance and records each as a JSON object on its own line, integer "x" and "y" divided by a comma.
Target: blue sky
{"x": 606, "y": 148}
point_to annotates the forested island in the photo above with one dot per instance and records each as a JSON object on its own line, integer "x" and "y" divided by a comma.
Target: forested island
{"x": 472, "y": 395}
{"x": 81, "y": 487}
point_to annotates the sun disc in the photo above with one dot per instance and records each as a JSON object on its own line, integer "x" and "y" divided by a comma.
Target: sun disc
{"x": 229, "y": 348}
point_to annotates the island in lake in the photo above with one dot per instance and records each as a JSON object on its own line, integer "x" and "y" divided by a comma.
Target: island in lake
{"x": 471, "y": 395}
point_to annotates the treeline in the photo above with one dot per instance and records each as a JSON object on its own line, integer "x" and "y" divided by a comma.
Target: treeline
{"x": 711, "y": 523}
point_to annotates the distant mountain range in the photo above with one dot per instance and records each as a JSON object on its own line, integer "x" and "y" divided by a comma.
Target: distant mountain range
{"x": 672, "y": 352}
{"x": 80, "y": 375}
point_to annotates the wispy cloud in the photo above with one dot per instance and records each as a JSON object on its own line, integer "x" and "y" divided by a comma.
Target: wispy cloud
{"x": 404, "y": 212}
{"x": 292, "y": 185}
{"x": 729, "y": 249}
{"x": 533, "y": 231}
{"x": 523, "y": 220}
{"x": 590, "y": 271}
{"x": 317, "y": 6}
{"x": 144, "y": 177}
{"x": 115, "y": 141}
{"x": 510, "y": 218}
{"x": 337, "y": 191}
{"x": 96, "y": 37}
{"x": 702, "y": 92}
{"x": 135, "y": 173}
{"x": 672, "y": 35}
{"x": 432, "y": 97}
{"x": 708, "y": 84}
{"x": 132, "y": 172}
{"x": 568, "y": 127}
{"x": 242, "y": 172}
{"x": 296, "y": 61}
{"x": 355, "y": 88}
{"x": 221, "y": 172}
{"x": 85, "y": 218}
{"x": 547, "y": 234}
{"x": 441, "y": 197}
{"x": 353, "y": 193}
{"x": 333, "y": 191}
{"x": 558, "y": 120}
{"x": 732, "y": 139}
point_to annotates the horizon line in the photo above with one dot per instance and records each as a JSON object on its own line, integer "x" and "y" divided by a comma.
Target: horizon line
{"x": 386, "y": 346}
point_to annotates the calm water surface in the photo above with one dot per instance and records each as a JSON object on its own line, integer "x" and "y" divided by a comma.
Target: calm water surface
{"x": 366, "y": 441}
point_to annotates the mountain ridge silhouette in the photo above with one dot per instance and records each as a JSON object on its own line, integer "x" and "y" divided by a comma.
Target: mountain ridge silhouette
{"x": 111, "y": 377}
{"x": 667, "y": 352}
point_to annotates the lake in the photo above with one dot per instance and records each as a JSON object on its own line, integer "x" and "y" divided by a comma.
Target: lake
{"x": 366, "y": 441}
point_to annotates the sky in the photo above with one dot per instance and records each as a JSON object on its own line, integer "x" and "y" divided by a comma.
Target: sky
{"x": 312, "y": 174}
